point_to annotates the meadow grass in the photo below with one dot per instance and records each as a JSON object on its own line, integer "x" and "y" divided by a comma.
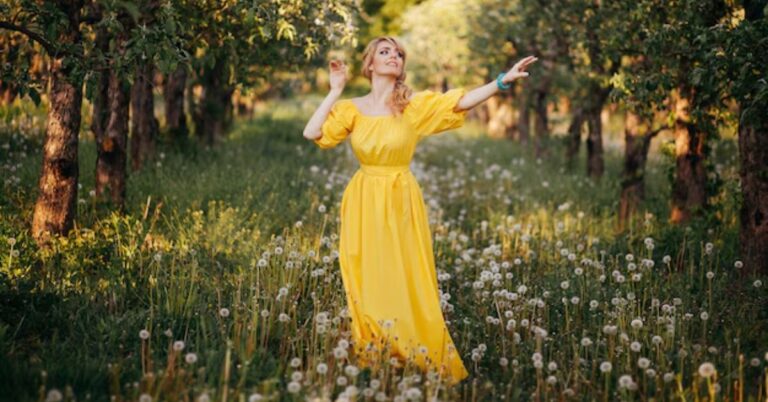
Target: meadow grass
{"x": 221, "y": 281}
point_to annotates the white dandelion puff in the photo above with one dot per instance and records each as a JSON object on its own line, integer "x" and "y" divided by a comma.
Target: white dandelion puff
{"x": 706, "y": 369}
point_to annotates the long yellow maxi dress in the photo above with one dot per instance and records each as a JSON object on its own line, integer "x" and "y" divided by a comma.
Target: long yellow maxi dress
{"x": 385, "y": 245}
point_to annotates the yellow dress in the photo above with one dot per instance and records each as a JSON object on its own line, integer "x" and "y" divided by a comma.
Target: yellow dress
{"x": 385, "y": 245}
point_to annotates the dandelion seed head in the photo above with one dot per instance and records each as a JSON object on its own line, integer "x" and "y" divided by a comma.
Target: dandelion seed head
{"x": 54, "y": 395}
{"x": 643, "y": 363}
{"x": 625, "y": 381}
{"x": 294, "y": 387}
{"x": 706, "y": 369}
{"x": 190, "y": 358}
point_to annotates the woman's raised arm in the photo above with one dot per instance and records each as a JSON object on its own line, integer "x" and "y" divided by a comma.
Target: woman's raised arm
{"x": 479, "y": 95}
{"x": 338, "y": 78}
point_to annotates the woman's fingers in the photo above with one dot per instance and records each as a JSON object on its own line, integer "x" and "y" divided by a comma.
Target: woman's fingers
{"x": 336, "y": 65}
{"x": 522, "y": 64}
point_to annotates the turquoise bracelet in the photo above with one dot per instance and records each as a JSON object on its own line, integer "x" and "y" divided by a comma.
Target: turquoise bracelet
{"x": 500, "y": 84}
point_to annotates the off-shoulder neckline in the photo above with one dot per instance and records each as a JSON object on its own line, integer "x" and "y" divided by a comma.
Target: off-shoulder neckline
{"x": 357, "y": 110}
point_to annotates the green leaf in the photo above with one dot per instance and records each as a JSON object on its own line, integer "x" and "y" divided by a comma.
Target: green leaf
{"x": 286, "y": 30}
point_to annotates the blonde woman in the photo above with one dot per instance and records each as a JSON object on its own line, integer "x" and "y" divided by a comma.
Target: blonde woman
{"x": 385, "y": 244}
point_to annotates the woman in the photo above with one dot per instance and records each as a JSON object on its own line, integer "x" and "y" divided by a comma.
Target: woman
{"x": 385, "y": 245}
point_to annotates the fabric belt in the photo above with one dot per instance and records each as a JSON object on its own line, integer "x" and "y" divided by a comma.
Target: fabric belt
{"x": 384, "y": 170}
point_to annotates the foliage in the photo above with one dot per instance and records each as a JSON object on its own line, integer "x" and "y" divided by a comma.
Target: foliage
{"x": 436, "y": 35}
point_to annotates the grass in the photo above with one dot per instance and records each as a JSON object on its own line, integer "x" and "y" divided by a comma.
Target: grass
{"x": 227, "y": 251}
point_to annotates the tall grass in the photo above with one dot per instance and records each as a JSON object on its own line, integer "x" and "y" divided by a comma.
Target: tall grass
{"x": 221, "y": 281}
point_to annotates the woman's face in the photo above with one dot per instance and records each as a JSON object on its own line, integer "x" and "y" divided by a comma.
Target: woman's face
{"x": 387, "y": 60}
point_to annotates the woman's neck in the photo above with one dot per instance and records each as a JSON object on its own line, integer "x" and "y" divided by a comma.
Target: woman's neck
{"x": 381, "y": 89}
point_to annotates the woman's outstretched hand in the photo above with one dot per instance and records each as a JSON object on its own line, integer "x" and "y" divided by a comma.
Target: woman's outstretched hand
{"x": 338, "y": 75}
{"x": 518, "y": 70}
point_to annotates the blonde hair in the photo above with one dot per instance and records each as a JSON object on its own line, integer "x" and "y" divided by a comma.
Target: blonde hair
{"x": 401, "y": 92}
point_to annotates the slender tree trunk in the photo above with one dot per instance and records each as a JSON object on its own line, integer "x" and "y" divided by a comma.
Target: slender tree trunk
{"x": 144, "y": 125}
{"x": 111, "y": 148}
{"x": 637, "y": 137}
{"x": 541, "y": 120}
{"x": 173, "y": 93}
{"x": 595, "y": 164}
{"x": 753, "y": 233}
{"x": 689, "y": 188}
{"x": 524, "y": 115}
{"x": 226, "y": 102}
{"x": 574, "y": 137}
{"x": 100, "y": 98}
{"x": 194, "y": 108}
{"x": 214, "y": 108}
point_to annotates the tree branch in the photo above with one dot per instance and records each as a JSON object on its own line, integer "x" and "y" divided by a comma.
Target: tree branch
{"x": 32, "y": 35}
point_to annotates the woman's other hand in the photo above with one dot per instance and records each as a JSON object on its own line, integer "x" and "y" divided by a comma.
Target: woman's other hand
{"x": 518, "y": 70}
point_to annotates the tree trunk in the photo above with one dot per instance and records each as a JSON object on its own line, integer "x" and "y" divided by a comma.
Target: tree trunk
{"x": 540, "y": 121}
{"x": 214, "y": 109}
{"x": 500, "y": 117}
{"x": 753, "y": 234}
{"x": 595, "y": 164}
{"x": 689, "y": 188}
{"x": 637, "y": 142}
{"x": 111, "y": 148}
{"x": 144, "y": 125}
{"x": 574, "y": 137}
{"x": 7, "y": 93}
{"x": 100, "y": 98}
{"x": 173, "y": 93}
{"x": 753, "y": 154}
{"x": 55, "y": 206}
{"x": 225, "y": 97}
{"x": 524, "y": 115}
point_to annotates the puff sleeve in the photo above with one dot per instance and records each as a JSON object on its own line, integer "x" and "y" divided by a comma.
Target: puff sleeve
{"x": 434, "y": 111}
{"x": 337, "y": 125}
